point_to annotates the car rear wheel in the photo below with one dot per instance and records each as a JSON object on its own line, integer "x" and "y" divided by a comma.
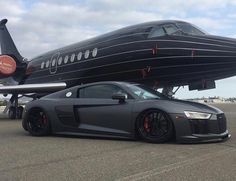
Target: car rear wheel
{"x": 38, "y": 123}
{"x": 155, "y": 126}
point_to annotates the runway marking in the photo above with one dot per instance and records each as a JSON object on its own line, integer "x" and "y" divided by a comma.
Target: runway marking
{"x": 170, "y": 167}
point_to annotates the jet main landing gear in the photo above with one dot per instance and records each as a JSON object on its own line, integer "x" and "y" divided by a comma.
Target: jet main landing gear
{"x": 15, "y": 111}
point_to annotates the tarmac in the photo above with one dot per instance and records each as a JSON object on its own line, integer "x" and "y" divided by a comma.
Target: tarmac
{"x": 24, "y": 157}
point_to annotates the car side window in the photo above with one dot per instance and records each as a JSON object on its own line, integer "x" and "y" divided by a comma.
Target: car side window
{"x": 156, "y": 32}
{"x": 99, "y": 91}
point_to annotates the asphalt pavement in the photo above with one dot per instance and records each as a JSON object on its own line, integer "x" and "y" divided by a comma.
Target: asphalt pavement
{"x": 24, "y": 157}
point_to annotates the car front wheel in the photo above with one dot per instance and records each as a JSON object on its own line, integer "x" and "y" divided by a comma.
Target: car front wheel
{"x": 155, "y": 126}
{"x": 38, "y": 122}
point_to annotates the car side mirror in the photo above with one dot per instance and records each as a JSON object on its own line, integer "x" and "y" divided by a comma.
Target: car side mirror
{"x": 120, "y": 96}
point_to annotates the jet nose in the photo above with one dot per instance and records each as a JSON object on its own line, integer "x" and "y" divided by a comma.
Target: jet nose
{"x": 226, "y": 41}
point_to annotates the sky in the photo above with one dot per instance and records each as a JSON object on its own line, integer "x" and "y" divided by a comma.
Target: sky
{"x": 41, "y": 26}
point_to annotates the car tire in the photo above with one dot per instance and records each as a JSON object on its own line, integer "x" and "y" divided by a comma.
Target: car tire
{"x": 24, "y": 125}
{"x": 38, "y": 123}
{"x": 155, "y": 126}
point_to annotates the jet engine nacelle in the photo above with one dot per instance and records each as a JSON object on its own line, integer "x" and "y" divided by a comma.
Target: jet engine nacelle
{"x": 7, "y": 65}
{"x": 202, "y": 85}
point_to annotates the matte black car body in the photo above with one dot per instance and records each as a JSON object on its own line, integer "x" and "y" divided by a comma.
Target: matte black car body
{"x": 108, "y": 117}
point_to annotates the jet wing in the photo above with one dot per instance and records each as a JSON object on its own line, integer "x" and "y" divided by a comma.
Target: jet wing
{"x": 32, "y": 88}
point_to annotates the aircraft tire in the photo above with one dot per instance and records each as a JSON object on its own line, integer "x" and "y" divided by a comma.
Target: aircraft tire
{"x": 19, "y": 112}
{"x": 12, "y": 112}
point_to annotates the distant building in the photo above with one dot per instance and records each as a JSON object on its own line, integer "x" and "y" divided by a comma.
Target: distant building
{"x": 210, "y": 100}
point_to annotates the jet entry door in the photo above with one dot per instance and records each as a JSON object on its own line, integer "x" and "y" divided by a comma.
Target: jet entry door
{"x": 53, "y": 63}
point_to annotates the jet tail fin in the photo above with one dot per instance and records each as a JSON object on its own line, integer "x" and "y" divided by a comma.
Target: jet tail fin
{"x": 8, "y": 46}
{"x": 12, "y": 64}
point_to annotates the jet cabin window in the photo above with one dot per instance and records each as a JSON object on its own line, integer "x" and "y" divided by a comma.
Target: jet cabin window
{"x": 47, "y": 64}
{"x": 60, "y": 61}
{"x": 79, "y": 56}
{"x": 72, "y": 58}
{"x": 42, "y": 65}
{"x": 99, "y": 91}
{"x": 53, "y": 62}
{"x": 66, "y": 59}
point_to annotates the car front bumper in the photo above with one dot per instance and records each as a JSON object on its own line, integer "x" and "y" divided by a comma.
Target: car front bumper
{"x": 197, "y": 138}
{"x": 193, "y": 131}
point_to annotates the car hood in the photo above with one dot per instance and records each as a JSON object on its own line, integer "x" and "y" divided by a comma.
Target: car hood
{"x": 178, "y": 106}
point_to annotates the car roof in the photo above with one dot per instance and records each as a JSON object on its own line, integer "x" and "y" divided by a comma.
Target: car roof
{"x": 56, "y": 94}
{"x": 106, "y": 82}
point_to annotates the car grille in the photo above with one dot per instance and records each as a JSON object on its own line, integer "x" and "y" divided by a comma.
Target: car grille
{"x": 209, "y": 126}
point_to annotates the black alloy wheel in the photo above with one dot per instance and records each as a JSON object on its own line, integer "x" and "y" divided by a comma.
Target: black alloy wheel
{"x": 155, "y": 126}
{"x": 38, "y": 123}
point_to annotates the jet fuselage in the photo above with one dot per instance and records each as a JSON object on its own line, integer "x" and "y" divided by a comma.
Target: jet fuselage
{"x": 138, "y": 54}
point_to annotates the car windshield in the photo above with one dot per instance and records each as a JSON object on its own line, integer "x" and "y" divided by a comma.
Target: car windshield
{"x": 145, "y": 92}
{"x": 190, "y": 29}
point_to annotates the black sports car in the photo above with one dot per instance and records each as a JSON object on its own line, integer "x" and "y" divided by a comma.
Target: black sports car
{"x": 125, "y": 110}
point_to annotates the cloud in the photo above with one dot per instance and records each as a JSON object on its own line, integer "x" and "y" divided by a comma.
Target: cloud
{"x": 11, "y": 8}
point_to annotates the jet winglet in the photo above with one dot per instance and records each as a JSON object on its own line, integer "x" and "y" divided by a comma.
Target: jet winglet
{"x": 3, "y": 22}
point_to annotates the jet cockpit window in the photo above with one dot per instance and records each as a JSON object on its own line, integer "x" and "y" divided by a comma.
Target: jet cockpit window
{"x": 156, "y": 32}
{"x": 171, "y": 29}
{"x": 190, "y": 29}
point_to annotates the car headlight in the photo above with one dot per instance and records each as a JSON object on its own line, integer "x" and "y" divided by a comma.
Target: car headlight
{"x": 197, "y": 115}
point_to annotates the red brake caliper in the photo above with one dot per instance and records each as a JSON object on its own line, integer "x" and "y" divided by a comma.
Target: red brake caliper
{"x": 146, "y": 125}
